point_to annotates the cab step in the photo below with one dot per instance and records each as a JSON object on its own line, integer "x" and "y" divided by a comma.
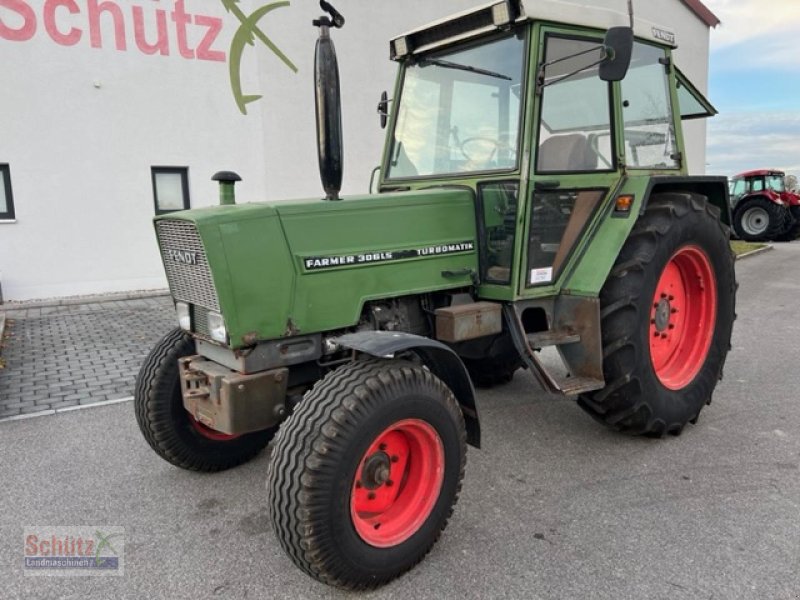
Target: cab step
{"x": 572, "y": 386}
{"x": 544, "y": 339}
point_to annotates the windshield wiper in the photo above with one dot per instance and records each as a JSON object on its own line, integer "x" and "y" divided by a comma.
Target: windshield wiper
{"x": 452, "y": 65}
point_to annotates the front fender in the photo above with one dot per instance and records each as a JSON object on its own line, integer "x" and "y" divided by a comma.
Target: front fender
{"x": 440, "y": 359}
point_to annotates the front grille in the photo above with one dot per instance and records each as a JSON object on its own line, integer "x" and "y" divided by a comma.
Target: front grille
{"x": 200, "y": 321}
{"x": 185, "y": 264}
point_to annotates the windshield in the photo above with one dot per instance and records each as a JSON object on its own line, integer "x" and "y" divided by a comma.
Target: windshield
{"x": 459, "y": 111}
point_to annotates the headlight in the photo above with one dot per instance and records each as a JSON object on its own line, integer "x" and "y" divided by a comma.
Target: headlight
{"x": 216, "y": 328}
{"x": 184, "y": 316}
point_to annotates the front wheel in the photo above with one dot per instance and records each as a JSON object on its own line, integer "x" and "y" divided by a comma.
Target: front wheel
{"x": 365, "y": 473}
{"x": 168, "y": 427}
{"x": 667, "y": 313}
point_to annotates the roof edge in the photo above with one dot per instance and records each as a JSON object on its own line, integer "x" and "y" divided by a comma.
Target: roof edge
{"x": 703, "y": 12}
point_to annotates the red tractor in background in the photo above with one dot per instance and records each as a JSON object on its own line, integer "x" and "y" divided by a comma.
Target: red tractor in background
{"x": 763, "y": 210}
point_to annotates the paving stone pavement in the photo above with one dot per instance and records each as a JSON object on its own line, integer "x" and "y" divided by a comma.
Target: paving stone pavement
{"x": 63, "y": 356}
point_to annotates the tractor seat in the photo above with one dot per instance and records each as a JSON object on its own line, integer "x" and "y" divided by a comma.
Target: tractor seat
{"x": 572, "y": 152}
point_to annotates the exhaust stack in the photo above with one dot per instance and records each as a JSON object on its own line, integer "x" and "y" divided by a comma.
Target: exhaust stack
{"x": 227, "y": 180}
{"x": 330, "y": 145}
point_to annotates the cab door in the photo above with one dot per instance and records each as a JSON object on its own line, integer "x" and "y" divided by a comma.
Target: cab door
{"x": 574, "y": 166}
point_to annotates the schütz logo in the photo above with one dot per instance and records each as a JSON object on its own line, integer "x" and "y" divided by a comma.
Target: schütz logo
{"x": 247, "y": 33}
{"x": 184, "y": 257}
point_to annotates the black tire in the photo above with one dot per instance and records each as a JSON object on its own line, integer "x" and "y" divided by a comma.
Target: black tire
{"x": 168, "y": 427}
{"x": 759, "y": 220}
{"x": 497, "y": 367}
{"x": 317, "y": 455}
{"x": 635, "y": 399}
{"x": 792, "y": 231}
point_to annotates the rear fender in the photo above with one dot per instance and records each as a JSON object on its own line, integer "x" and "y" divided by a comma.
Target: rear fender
{"x": 713, "y": 188}
{"x": 440, "y": 359}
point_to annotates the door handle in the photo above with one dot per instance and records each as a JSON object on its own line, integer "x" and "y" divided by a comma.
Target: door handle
{"x": 547, "y": 184}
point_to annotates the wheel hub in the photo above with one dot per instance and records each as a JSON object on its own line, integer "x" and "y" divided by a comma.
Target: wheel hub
{"x": 663, "y": 310}
{"x": 376, "y": 471}
{"x": 755, "y": 221}
{"x": 397, "y": 483}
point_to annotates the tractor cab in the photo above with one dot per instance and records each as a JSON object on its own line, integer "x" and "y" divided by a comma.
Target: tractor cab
{"x": 562, "y": 132}
{"x": 549, "y": 125}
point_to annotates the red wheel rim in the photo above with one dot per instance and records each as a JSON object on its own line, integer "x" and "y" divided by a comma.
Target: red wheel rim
{"x": 211, "y": 434}
{"x": 682, "y": 317}
{"x": 397, "y": 483}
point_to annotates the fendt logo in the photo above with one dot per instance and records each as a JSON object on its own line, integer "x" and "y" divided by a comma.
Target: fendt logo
{"x": 156, "y": 30}
{"x": 185, "y": 257}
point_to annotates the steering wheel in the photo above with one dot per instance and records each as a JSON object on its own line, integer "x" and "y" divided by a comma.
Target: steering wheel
{"x": 495, "y": 144}
{"x": 484, "y": 143}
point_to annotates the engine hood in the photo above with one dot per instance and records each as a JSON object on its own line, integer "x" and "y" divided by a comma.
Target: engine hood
{"x": 279, "y": 269}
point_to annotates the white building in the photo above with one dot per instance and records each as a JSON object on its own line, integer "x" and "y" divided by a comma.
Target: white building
{"x": 100, "y": 98}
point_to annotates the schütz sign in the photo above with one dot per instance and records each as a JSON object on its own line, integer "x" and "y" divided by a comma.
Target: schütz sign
{"x": 72, "y": 22}
{"x": 161, "y": 28}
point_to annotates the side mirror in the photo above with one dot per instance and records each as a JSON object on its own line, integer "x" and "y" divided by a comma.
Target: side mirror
{"x": 383, "y": 109}
{"x": 618, "y": 46}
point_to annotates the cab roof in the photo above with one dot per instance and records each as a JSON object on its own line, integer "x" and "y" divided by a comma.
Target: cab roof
{"x": 478, "y": 21}
{"x": 760, "y": 173}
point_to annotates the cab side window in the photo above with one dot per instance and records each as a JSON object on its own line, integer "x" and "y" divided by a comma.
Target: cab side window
{"x": 575, "y": 131}
{"x": 647, "y": 111}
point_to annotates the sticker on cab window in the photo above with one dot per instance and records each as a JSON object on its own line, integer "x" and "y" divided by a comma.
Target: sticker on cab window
{"x": 541, "y": 275}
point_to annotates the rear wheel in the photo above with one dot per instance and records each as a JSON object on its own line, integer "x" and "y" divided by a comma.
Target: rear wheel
{"x": 365, "y": 473}
{"x": 667, "y": 314}
{"x": 792, "y": 231}
{"x": 759, "y": 220}
{"x": 170, "y": 430}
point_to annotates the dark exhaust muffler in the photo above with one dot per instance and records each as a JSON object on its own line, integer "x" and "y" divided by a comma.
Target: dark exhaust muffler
{"x": 330, "y": 145}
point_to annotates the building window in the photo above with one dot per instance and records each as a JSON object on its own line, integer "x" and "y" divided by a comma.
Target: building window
{"x": 6, "y": 197}
{"x": 170, "y": 189}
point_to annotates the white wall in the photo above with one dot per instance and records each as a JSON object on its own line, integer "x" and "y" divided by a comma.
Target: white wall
{"x": 81, "y": 127}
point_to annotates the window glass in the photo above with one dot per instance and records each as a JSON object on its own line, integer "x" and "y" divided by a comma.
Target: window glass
{"x": 575, "y": 130}
{"x": 693, "y": 104}
{"x": 499, "y": 202}
{"x": 737, "y": 187}
{"x": 558, "y": 221}
{"x": 170, "y": 189}
{"x": 757, "y": 185}
{"x": 647, "y": 110}
{"x": 690, "y": 106}
{"x": 460, "y": 111}
{"x": 3, "y": 199}
{"x": 776, "y": 183}
{"x": 6, "y": 197}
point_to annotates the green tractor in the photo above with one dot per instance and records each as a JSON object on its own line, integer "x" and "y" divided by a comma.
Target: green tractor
{"x": 533, "y": 195}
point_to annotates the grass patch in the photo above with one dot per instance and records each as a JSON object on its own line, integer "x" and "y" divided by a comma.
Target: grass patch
{"x": 740, "y": 247}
